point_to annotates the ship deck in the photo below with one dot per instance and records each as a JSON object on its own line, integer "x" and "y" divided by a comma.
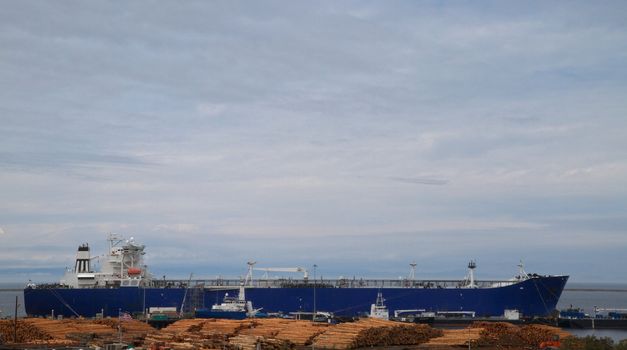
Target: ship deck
{"x": 328, "y": 283}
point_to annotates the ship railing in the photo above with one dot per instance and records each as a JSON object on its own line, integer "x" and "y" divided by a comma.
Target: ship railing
{"x": 328, "y": 283}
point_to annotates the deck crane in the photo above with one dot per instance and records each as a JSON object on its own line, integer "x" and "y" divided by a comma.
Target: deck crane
{"x": 251, "y": 267}
{"x": 283, "y": 269}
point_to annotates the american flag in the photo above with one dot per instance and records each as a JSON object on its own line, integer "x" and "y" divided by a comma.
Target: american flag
{"x": 125, "y": 316}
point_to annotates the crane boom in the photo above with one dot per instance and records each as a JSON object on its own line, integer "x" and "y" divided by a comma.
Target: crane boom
{"x": 283, "y": 269}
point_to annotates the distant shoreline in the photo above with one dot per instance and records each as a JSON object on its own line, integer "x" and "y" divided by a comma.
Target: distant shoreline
{"x": 595, "y": 290}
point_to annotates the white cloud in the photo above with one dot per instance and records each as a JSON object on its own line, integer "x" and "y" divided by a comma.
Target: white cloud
{"x": 178, "y": 228}
{"x": 210, "y": 109}
{"x": 346, "y": 120}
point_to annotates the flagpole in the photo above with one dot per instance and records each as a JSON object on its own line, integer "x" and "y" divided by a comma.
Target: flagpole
{"x": 15, "y": 322}
{"x": 119, "y": 326}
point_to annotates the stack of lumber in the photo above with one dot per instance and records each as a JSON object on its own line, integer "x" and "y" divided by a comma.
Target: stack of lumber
{"x": 301, "y": 332}
{"x": 133, "y": 332}
{"x": 69, "y": 332}
{"x": 244, "y": 342}
{"x": 184, "y": 325}
{"x": 554, "y": 330}
{"x": 161, "y": 338}
{"x": 128, "y": 326}
{"x": 224, "y": 327}
{"x": 456, "y": 337}
{"x": 98, "y": 332}
{"x": 26, "y": 333}
{"x": 274, "y": 334}
{"x": 374, "y": 332}
{"x": 267, "y": 328}
{"x": 59, "y": 329}
{"x": 504, "y": 334}
{"x": 198, "y": 333}
{"x": 294, "y": 331}
{"x": 251, "y": 342}
{"x": 175, "y": 335}
{"x": 215, "y": 332}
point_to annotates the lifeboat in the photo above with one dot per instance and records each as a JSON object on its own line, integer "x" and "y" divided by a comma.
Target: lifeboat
{"x": 133, "y": 271}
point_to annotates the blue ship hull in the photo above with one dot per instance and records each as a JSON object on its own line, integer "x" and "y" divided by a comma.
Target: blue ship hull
{"x": 537, "y": 296}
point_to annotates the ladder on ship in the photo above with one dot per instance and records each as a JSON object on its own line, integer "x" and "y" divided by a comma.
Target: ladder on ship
{"x": 197, "y": 298}
{"x": 194, "y": 299}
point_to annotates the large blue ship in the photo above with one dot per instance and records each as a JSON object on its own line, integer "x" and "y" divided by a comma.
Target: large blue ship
{"x": 124, "y": 284}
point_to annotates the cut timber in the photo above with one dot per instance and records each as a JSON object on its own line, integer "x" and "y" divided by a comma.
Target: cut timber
{"x": 457, "y": 337}
{"x": 374, "y": 332}
{"x": 72, "y": 331}
{"x": 184, "y": 325}
{"x": 507, "y": 335}
{"x": 26, "y": 332}
{"x": 134, "y": 327}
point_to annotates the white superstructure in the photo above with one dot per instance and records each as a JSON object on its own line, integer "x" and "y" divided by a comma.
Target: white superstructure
{"x": 470, "y": 278}
{"x": 378, "y": 309}
{"x": 122, "y": 266}
{"x": 236, "y": 304}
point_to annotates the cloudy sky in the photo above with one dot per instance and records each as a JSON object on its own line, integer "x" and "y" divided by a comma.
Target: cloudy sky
{"x": 358, "y": 136}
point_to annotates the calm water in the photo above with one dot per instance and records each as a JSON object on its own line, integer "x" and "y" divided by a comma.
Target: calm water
{"x": 587, "y": 300}
{"x": 7, "y": 300}
{"x": 583, "y": 299}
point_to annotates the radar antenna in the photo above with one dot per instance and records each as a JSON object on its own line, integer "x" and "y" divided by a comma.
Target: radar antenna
{"x": 412, "y": 271}
{"x": 249, "y": 275}
{"x": 472, "y": 265}
{"x": 522, "y": 274}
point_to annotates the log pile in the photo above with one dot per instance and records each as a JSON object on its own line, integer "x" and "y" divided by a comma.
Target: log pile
{"x": 59, "y": 329}
{"x": 128, "y": 326}
{"x": 374, "y": 332}
{"x": 506, "y": 335}
{"x": 184, "y": 325}
{"x": 216, "y": 333}
{"x": 26, "y": 332}
{"x": 301, "y": 332}
{"x": 555, "y": 330}
{"x": 198, "y": 333}
{"x": 279, "y": 333}
{"x": 201, "y": 334}
{"x": 295, "y": 331}
{"x": 244, "y": 342}
{"x": 267, "y": 328}
{"x": 225, "y": 327}
{"x": 282, "y": 334}
{"x": 251, "y": 342}
{"x": 456, "y": 337}
{"x": 74, "y": 332}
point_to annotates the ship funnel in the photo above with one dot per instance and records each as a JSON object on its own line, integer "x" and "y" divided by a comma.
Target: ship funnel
{"x": 82, "y": 259}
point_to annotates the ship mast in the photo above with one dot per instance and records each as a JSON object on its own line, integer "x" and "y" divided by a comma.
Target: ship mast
{"x": 471, "y": 274}
{"x": 249, "y": 275}
{"x": 522, "y": 274}
{"x": 412, "y": 271}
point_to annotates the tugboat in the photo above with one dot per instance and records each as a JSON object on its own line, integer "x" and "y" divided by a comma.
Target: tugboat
{"x": 378, "y": 309}
{"x": 235, "y": 308}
